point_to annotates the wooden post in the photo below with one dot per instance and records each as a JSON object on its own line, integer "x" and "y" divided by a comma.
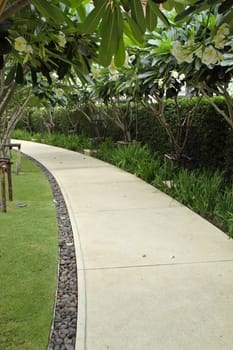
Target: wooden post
{"x": 10, "y": 146}
{"x": 3, "y": 186}
{"x": 6, "y": 162}
{"x": 9, "y": 179}
{"x": 18, "y": 160}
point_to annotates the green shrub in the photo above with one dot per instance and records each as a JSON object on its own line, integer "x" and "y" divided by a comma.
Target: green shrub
{"x": 137, "y": 160}
{"x": 104, "y": 150}
{"x": 198, "y": 190}
{"x": 223, "y": 211}
{"x": 21, "y": 135}
{"x": 210, "y": 141}
{"x": 71, "y": 142}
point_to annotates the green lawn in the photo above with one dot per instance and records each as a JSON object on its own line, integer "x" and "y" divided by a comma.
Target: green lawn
{"x": 28, "y": 262}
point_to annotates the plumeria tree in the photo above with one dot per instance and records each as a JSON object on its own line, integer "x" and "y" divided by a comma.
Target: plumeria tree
{"x": 197, "y": 59}
{"x": 204, "y": 53}
{"x": 116, "y": 94}
{"x": 33, "y": 49}
{"x": 39, "y": 37}
{"x": 159, "y": 80}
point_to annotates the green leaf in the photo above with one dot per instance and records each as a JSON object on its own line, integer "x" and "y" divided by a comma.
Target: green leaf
{"x": 34, "y": 101}
{"x": 185, "y": 13}
{"x": 119, "y": 57}
{"x": 19, "y": 78}
{"x": 229, "y": 18}
{"x": 151, "y": 18}
{"x": 50, "y": 11}
{"x": 146, "y": 75}
{"x": 60, "y": 57}
{"x": 81, "y": 12}
{"x": 155, "y": 8}
{"x": 66, "y": 2}
{"x": 110, "y": 38}
{"x": 76, "y": 3}
{"x": 136, "y": 30}
{"x": 120, "y": 23}
{"x": 85, "y": 65}
{"x": 138, "y": 15}
{"x": 126, "y": 5}
{"x": 94, "y": 17}
{"x": 228, "y": 60}
{"x": 179, "y": 7}
{"x": 168, "y": 5}
{"x": 130, "y": 36}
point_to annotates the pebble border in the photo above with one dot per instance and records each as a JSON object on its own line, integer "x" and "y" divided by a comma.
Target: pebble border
{"x": 64, "y": 324}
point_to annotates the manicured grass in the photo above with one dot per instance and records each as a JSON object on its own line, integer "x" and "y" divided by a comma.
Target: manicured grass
{"x": 28, "y": 262}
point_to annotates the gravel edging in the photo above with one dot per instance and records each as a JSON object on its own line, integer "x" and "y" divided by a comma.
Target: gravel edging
{"x": 64, "y": 324}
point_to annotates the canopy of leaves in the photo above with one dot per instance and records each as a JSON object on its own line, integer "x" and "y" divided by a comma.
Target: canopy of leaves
{"x": 109, "y": 21}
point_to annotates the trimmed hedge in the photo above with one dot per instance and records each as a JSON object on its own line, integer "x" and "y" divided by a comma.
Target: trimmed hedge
{"x": 210, "y": 142}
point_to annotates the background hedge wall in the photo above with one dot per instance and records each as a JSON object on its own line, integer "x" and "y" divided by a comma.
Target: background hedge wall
{"x": 210, "y": 142}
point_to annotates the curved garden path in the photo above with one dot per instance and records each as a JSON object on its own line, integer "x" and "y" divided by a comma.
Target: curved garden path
{"x": 152, "y": 275}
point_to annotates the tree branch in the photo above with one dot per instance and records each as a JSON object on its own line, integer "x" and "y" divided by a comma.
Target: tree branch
{"x": 6, "y": 96}
{"x": 2, "y": 6}
{"x": 16, "y": 117}
{"x": 15, "y": 7}
{"x": 222, "y": 113}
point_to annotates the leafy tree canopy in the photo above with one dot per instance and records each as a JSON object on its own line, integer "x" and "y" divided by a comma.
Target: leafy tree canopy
{"x": 59, "y": 33}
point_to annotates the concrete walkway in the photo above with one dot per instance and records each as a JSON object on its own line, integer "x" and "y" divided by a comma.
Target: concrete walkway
{"x": 152, "y": 274}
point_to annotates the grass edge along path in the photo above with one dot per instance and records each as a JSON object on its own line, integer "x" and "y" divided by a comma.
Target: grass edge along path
{"x": 28, "y": 262}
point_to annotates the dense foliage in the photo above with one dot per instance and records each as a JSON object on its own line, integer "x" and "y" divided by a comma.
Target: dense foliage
{"x": 48, "y": 47}
{"x": 209, "y": 144}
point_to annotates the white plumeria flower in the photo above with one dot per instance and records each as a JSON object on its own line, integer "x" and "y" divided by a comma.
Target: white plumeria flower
{"x": 160, "y": 82}
{"x": 131, "y": 58}
{"x": 199, "y": 51}
{"x": 61, "y": 39}
{"x": 177, "y": 51}
{"x": 95, "y": 72}
{"x": 112, "y": 67}
{"x": 114, "y": 76}
{"x": 126, "y": 63}
{"x": 230, "y": 88}
{"x": 59, "y": 92}
{"x": 182, "y": 76}
{"x": 20, "y": 44}
{"x": 220, "y": 36}
{"x": 223, "y": 30}
{"x": 220, "y": 57}
{"x": 174, "y": 74}
{"x": 53, "y": 75}
{"x": 28, "y": 49}
{"x": 211, "y": 56}
{"x": 181, "y": 53}
{"x": 219, "y": 41}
